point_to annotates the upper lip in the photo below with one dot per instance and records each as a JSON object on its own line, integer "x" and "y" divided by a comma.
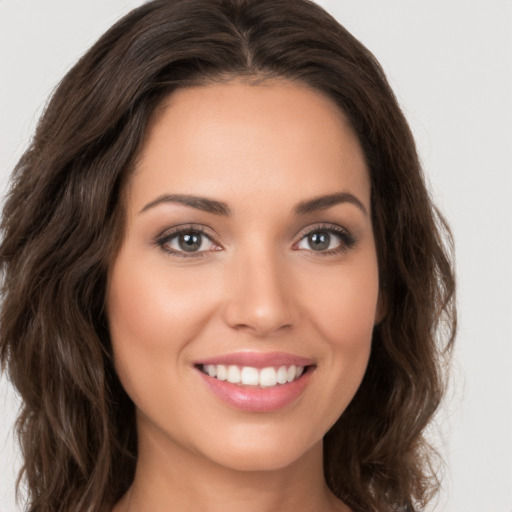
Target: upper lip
{"x": 257, "y": 359}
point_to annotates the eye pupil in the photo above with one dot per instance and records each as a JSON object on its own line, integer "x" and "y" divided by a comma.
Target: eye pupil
{"x": 319, "y": 241}
{"x": 189, "y": 242}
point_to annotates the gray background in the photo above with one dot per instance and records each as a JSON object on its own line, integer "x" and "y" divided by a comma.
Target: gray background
{"x": 450, "y": 63}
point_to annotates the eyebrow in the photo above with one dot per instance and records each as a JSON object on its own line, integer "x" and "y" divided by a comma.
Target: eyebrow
{"x": 221, "y": 208}
{"x": 197, "y": 202}
{"x": 324, "y": 202}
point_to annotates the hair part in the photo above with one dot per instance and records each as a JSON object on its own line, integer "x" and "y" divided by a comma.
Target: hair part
{"x": 63, "y": 223}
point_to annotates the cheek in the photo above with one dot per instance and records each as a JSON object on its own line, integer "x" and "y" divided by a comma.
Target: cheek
{"x": 343, "y": 310}
{"x": 153, "y": 314}
{"x": 344, "y": 303}
{"x": 148, "y": 303}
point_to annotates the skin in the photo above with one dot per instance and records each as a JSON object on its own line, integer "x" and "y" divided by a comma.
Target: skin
{"x": 256, "y": 284}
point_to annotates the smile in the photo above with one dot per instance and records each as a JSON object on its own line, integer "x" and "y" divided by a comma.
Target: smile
{"x": 249, "y": 376}
{"x": 257, "y": 382}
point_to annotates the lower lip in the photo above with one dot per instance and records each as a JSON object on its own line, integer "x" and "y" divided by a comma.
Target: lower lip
{"x": 255, "y": 399}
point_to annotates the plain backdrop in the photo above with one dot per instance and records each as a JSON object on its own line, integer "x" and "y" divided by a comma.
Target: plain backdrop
{"x": 450, "y": 64}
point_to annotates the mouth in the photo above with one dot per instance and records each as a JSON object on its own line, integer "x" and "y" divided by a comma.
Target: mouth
{"x": 267, "y": 377}
{"x": 257, "y": 382}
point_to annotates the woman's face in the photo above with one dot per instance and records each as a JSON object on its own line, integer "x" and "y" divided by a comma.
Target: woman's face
{"x": 248, "y": 254}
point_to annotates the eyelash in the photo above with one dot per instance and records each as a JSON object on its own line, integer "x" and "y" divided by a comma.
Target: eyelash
{"x": 165, "y": 238}
{"x": 347, "y": 240}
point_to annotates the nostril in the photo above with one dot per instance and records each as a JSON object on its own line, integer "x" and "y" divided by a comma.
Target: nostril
{"x": 259, "y": 302}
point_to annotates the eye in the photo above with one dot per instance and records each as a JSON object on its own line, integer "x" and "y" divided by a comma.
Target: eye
{"x": 320, "y": 241}
{"x": 187, "y": 242}
{"x": 326, "y": 240}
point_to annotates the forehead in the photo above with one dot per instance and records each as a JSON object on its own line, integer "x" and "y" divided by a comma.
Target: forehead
{"x": 243, "y": 140}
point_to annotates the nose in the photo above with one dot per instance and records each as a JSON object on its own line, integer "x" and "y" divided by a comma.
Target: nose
{"x": 260, "y": 297}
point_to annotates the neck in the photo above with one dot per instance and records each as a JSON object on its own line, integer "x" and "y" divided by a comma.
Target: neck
{"x": 174, "y": 479}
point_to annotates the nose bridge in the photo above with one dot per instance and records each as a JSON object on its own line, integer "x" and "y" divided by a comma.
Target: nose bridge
{"x": 260, "y": 299}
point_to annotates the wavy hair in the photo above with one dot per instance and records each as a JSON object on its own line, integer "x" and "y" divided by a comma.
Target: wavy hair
{"x": 63, "y": 222}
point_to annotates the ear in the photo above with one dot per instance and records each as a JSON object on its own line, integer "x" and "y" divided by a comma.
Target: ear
{"x": 381, "y": 309}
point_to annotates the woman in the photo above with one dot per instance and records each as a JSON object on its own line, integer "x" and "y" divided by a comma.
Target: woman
{"x": 222, "y": 273}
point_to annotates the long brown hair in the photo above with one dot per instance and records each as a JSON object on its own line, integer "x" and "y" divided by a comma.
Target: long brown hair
{"x": 63, "y": 221}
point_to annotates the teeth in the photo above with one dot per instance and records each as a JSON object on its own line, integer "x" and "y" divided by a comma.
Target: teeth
{"x": 249, "y": 376}
{"x": 268, "y": 377}
{"x": 211, "y": 370}
{"x": 281, "y": 374}
{"x": 291, "y": 373}
{"x": 234, "y": 374}
{"x": 222, "y": 372}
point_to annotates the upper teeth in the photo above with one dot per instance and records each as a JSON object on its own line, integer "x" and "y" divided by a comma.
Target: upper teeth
{"x": 249, "y": 376}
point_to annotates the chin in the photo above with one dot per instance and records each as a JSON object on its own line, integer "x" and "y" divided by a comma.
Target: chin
{"x": 248, "y": 451}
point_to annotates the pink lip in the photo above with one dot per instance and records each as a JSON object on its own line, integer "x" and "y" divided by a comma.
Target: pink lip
{"x": 258, "y": 359}
{"x": 255, "y": 399}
